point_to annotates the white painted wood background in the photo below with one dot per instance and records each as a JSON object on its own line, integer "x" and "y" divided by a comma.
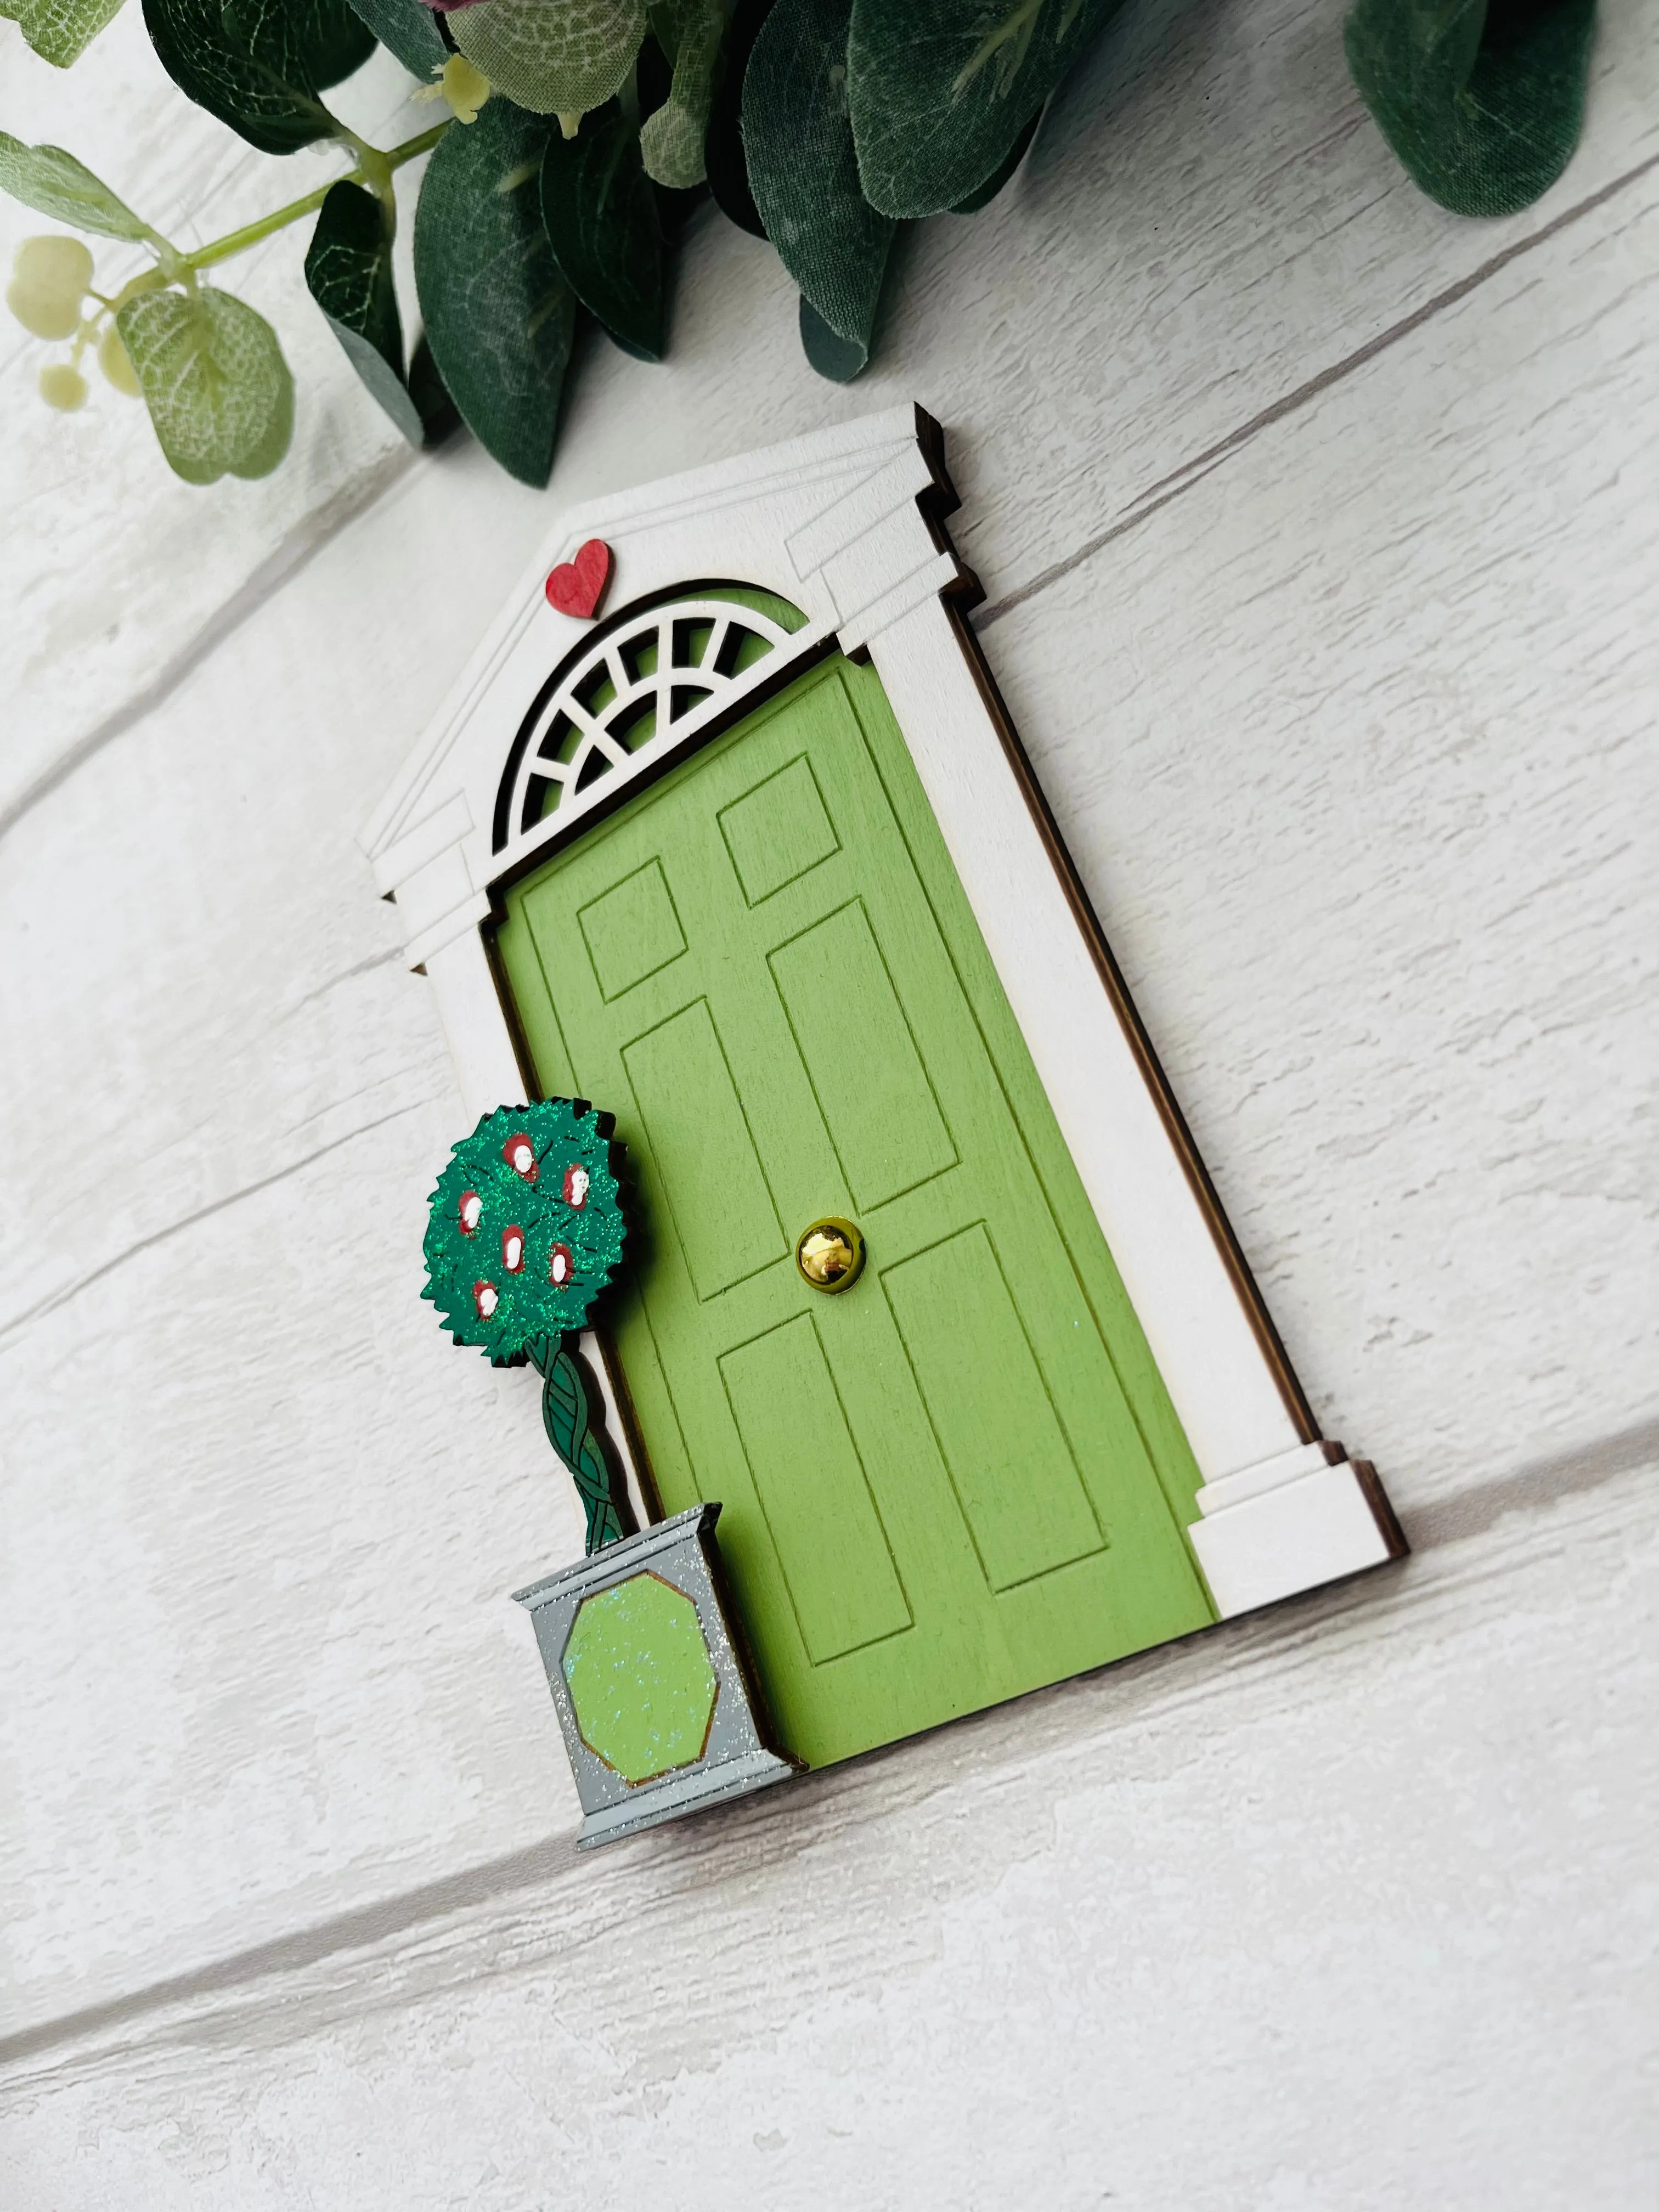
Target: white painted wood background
{"x": 1321, "y": 536}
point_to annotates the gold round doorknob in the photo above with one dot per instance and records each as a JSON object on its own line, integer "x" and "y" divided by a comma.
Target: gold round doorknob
{"x": 830, "y": 1254}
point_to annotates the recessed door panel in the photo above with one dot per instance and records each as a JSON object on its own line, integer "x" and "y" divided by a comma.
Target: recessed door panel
{"x": 832, "y": 1550}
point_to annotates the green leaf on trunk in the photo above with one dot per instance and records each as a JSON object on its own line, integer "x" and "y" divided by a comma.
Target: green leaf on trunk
{"x": 47, "y": 178}
{"x": 275, "y": 109}
{"x": 570, "y": 1401}
{"x": 1482, "y": 103}
{"x": 802, "y": 169}
{"x": 939, "y": 90}
{"x": 348, "y": 271}
{"x": 498, "y": 316}
{"x": 553, "y": 56}
{"x": 60, "y": 31}
{"x": 601, "y": 216}
{"x": 408, "y": 29}
{"x": 672, "y": 140}
{"x": 214, "y": 379}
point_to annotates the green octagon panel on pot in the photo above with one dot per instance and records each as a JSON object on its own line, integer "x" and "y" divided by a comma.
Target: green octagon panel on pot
{"x": 641, "y": 1682}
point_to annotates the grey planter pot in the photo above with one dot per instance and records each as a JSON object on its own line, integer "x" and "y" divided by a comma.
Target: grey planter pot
{"x": 658, "y": 1714}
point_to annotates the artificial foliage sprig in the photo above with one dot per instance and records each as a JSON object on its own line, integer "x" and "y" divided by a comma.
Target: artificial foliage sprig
{"x": 585, "y": 127}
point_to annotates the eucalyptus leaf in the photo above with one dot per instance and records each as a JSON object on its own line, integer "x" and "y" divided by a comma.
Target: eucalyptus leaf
{"x": 984, "y": 194}
{"x": 348, "y": 271}
{"x": 728, "y": 172}
{"x": 672, "y": 140}
{"x": 601, "y": 216}
{"x": 409, "y": 29}
{"x": 840, "y": 359}
{"x": 208, "y": 64}
{"x": 939, "y": 90}
{"x": 60, "y": 31}
{"x": 552, "y": 57}
{"x": 310, "y": 43}
{"x": 440, "y": 416}
{"x": 214, "y": 379}
{"x": 498, "y": 316}
{"x": 797, "y": 143}
{"x": 1482, "y": 103}
{"x": 47, "y": 178}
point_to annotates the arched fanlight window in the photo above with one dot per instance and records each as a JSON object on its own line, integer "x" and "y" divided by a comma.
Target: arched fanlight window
{"x": 654, "y": 681}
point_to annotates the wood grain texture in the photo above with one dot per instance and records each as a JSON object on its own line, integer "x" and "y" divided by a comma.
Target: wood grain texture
{"x": 1328, "y": 614}
{"x": 1280, "y": 1890}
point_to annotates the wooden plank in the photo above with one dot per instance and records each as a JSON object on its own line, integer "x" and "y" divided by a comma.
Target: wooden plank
{"x": 1366, "y": 1878}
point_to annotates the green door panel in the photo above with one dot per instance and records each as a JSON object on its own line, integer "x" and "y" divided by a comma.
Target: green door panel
{"x": 694, "y": 1126}
{"x": 1000, "y": 1439}
{"x": 961, "y": 1478}
{"x": 866, "y": 1074}
{"x": 832, "y": 1550}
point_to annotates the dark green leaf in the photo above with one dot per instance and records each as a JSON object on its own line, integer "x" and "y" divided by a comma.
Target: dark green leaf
{"x": 553, "y": 56}
{"x": 214, "y": 70}
{"x": 1482, "y": 104}
{"x": 838, "y": 358}
{"x": 310, "y": 43}
{"x": 994, "y": 183}
{"x": 349, "y": 270}
{"x": 570, "y": 1400}
{"x": 409, "y": 30}
{"x": 498, "y": 315}
{"x": 60, "y": 31}
{"x": 214, "y": 379}
{"x": 728, "y": 173}
{"x": 47, "y": 178}
{"x": 939, "y": 90}
{"x": 798, "y": 143}
{"x": 440, "y": 416}
{"x": 601, "y": 217}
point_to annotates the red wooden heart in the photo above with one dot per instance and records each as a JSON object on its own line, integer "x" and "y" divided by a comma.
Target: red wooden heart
{"x": 575, "y": 587}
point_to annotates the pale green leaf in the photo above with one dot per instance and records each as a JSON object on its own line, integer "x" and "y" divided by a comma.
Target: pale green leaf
{"x": 55, "y": 183}
{"x": 672, "y": 140}
{"x": 214, "y": 379}
{"x": 553, "y": 56}
{"x": 60, "y": 31}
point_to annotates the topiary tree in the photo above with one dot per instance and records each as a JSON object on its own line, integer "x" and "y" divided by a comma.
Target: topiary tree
{"x": 525, "y": 1232}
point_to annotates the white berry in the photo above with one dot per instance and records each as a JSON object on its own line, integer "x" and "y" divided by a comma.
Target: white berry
{"x": 63, "y": 387}
{"x": 50, "y": 278}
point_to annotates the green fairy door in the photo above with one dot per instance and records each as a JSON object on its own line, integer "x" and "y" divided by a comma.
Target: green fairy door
{"x": 959, "y": 1478}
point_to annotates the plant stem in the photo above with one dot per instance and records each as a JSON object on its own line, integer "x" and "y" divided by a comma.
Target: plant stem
{"x": 238, "y": 241}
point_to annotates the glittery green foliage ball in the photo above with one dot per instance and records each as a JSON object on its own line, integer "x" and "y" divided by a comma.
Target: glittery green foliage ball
{"x": 527, "y": 1226}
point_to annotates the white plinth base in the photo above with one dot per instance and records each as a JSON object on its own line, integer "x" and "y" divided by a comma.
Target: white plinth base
{"x": 1309, "y": 1516}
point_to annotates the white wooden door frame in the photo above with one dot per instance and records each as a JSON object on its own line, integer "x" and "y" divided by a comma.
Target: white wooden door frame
{"x": 848, "y": 526}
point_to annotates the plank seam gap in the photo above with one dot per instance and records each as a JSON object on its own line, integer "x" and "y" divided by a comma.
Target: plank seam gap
{"x": 21, "y": 1322}
{"x": 295, "y": 552}
{"x": 1277, "y": 1633}
{"x": 1158, "y": 496}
